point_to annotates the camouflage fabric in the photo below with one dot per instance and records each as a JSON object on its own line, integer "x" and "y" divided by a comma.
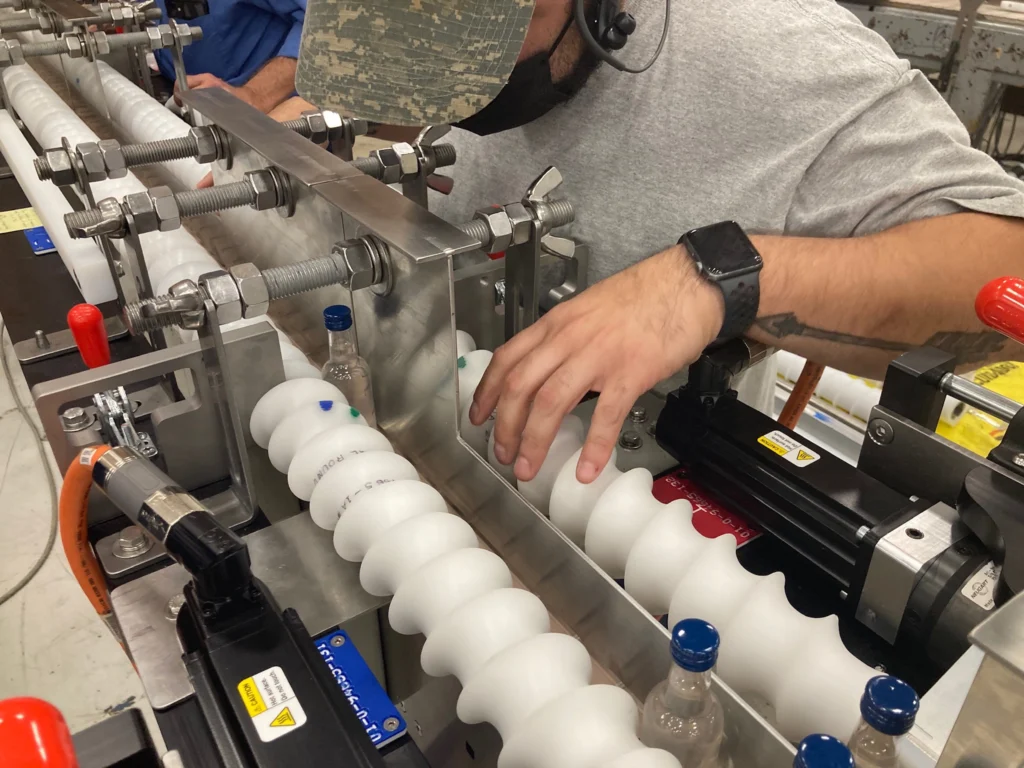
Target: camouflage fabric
{"x": 409, "y": 62}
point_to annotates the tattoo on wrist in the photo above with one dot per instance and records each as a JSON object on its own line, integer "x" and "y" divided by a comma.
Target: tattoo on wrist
{"x": 967, "y": 346}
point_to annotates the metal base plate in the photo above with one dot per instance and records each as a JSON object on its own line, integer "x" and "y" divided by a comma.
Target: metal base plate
{"x": 61, "y": 342}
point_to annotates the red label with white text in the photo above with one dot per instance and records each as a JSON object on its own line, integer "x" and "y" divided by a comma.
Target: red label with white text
{"x": 710, "y": 518}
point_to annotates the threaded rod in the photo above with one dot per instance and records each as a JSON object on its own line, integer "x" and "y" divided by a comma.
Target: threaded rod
{"x": 198, "y": 202}
{"x": 78, "y": 221}
{"x": 293, "y": 279}
{"x": 558, "y": 213}
{"x": 138, "y": 322}
{"x": 300, "y": 126}
{"x": 479, "y": 231}
{"x": 161, "y": 151}
{"x": 444, "y": 155}
{"x": 42, "y": 169}
{"x": 45, "y": 48}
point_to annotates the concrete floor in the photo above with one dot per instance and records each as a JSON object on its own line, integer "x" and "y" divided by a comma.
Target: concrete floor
{"x": 53, "y": 644}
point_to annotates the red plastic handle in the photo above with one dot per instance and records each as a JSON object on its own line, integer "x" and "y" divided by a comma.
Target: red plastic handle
{"x": 33, "y": 734}
{"x": 86, "y": 324}
{"x": 1000, "y": 305}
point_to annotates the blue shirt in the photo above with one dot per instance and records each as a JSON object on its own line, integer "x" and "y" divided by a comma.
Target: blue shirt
{"x": 239, "y": 37}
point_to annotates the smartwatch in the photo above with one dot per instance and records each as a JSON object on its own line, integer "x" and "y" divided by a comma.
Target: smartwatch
{"x": 725, "y": 257}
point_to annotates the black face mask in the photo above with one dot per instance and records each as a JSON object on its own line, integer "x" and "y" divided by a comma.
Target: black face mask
{"x": 530, "y": 93}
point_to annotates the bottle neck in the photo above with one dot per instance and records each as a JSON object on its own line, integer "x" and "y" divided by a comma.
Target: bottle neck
{"x": 687, "y": 693}
{"x": 342, "y": 343}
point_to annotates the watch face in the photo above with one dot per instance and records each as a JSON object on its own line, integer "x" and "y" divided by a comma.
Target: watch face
{"x": 723, "y": 248}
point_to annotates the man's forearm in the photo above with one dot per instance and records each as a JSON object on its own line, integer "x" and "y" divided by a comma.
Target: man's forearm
{"x": 857, "y": 303}
{"x": 272, "y": 84}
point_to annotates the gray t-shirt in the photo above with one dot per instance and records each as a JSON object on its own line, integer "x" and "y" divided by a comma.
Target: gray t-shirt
{"x": 788, "y": 116}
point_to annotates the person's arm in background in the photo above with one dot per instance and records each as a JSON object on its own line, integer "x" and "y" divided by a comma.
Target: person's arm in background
{"x": 274, "y": 82}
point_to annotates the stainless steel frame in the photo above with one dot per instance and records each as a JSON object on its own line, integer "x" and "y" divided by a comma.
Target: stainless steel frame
{"x": 407, "y": 337}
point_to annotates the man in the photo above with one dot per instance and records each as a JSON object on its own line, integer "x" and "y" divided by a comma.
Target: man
{"x": 249, "y": 47}
{"x": 876, "y": 222}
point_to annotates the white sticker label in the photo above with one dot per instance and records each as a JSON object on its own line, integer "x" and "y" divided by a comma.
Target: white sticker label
{"x": 788, "y": 448}
{"x": 982, "y": 587}
{"x": 86, "y": 456}
{"x": 271, "y": 703}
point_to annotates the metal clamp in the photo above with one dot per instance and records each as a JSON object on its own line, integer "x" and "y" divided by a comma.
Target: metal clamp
{"x": 117, "y": 422}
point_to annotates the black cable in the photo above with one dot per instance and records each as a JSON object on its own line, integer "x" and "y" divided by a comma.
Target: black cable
{"x": 1009, "y": 139}
{"x": 579, "y": 9}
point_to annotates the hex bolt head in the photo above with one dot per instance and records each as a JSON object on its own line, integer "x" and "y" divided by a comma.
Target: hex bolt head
{"x": 75, "y": 419}
{"x": 132, "y": 542}
{"x": 337, "y": 641}
{"x": 155, "y": 38}
{"x": 408, "y": 160}
{"x": 631, "y": 440}
{"x": 74, "y": 44}
{"x": 174, "y": 606}
{"x": 264, "y": 190}
{"x": 1018, "y": 460}
{"x": 318, "y": 128}
{"x": 638, "y": 414}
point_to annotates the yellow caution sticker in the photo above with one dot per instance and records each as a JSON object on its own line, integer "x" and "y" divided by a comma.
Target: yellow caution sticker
{"x": 22, "y": 218}
{"x": 791, "y": 450}
{"x": 271, "y": 703}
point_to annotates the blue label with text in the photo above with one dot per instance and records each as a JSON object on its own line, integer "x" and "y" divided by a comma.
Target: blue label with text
{"x": 39, "y": 241}
{"x": 379, "y": 716}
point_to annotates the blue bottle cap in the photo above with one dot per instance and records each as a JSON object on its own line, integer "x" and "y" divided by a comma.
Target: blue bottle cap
{"x": 821, "y": 751}
{"x": 889, "y": 705}
{"x": 338, "y": 317}
{"x": 695, "y": 645}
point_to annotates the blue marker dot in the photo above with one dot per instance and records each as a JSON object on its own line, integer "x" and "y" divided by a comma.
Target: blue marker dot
{"x": 326, "y": 405}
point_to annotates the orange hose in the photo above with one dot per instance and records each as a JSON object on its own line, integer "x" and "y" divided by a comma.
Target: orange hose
{"x": 74, "y": 533}
{"x": 801, "y": 395}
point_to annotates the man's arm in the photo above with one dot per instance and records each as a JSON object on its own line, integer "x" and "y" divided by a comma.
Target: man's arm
{"x": 852, "y": 303}
{"x": 856, "y": 303}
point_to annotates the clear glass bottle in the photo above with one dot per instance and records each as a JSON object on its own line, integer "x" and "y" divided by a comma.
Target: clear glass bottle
{"x": 887, "y": 708}
{"x": 681, "y": 714}
{"x": 345, "y": 369}
{"x": 821, "y": 751}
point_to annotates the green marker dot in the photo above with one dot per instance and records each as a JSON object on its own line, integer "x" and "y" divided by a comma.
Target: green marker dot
{"x": 462, "y": 361}
{"x": 354, "y": 412}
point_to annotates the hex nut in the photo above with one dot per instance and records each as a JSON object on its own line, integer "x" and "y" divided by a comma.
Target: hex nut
{"x": 356, "y": 262}
{"x": 74, "y": 44}
{"x": 522, "y": 221}
{"x": 500, "y": 226}
{"x": 317, "y": 126}
{"x": 101, "y": 42}
{"x": 167, "y": 215}
{"x": 183, "y": 32}
{"x": 332, "y": 119}
{"x": 166, "y": 36}
{"x": 91, "y": 157}
{"x": 155, "y": 38}
{"x": 408, "y": 159}
{"x": 140, "y": 205}
{"x": 264, "y": 189}
{"x": 62, "y": 172}
{"x": 222, "y": 290}
{"x": 207, "y": 143}
{"x": 391, "y": 165}
{"x": 11, "y": 53}
{"x": 252, "y": 289}
{"x": 113, "y": 159}
{"x": 117, "y": 13}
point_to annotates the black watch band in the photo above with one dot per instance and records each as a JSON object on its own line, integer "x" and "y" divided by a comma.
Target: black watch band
{"x": 725, "y": 257}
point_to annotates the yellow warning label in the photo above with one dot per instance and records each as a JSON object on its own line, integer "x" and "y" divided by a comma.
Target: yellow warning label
{"x": 285, "y": 718}
{"x": 251, "y": 697}
{"x": 22, "y": 218}
{"x": 788, "y": 448}
{"x": 771, "y": 445}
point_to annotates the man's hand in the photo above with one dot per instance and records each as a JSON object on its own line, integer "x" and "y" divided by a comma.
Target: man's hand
{"x": 619, "y": 338}
{"x": 206, "y": 80}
